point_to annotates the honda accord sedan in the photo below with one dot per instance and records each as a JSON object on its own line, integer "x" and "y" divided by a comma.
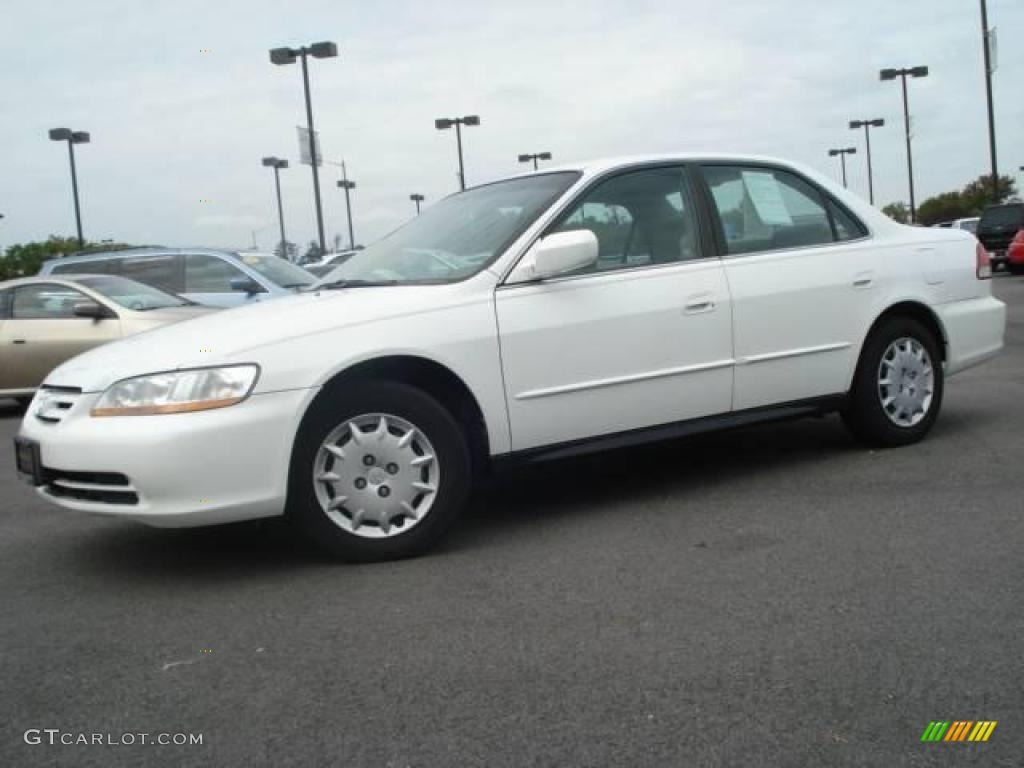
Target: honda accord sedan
{"x": 541, "y": 316}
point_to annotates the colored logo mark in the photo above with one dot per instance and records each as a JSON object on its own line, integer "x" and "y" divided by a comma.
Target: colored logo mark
{"x": 958, "y": 730}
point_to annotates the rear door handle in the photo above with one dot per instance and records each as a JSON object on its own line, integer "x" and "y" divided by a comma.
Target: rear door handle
{"x": 18, "y": 341}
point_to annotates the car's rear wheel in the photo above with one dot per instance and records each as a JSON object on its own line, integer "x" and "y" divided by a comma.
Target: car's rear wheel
{"x": 379, "y": 471}
{"x": 898, "y": 386}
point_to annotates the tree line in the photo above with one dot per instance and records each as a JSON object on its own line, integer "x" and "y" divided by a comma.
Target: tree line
{"x": 958, "y": 204}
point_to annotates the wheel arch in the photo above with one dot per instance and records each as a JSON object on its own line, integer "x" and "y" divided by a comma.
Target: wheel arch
{"x": 436, "y": 379}
{"x": 912, "y": 308}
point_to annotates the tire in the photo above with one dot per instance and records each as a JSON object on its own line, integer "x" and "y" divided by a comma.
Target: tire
{"x": 1015, "y": 269}
{"x": 336, "y": 495}
{"x": 901, "y": 423}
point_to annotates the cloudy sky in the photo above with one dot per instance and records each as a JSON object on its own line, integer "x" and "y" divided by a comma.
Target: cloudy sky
{"x": 173, "y": 125}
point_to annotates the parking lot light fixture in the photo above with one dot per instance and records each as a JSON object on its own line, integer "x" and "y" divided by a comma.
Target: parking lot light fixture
{"x": 277, "y": 164}
{"x": 283, "y": 56}
{"x": 444, "y": 123}
{"x": 903, "y": 74}
{"x": 534, "y": 156}
{"x": 72, "y": 138}
{"x": 417, "y": 198}
{"x": 842, "y": 153}
{"x": 867, "y": 125}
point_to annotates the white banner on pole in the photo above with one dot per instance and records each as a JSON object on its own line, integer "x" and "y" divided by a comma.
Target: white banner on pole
{"x": 304, "y": 146}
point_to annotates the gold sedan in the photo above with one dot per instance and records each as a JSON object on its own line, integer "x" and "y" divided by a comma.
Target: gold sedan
{"x": 47, "y": 320}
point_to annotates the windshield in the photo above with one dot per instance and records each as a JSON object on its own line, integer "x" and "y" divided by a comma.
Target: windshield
{"x": 277, "y": 270}
{"x": 459, "y": 236}
{"x": 130, "y": 294}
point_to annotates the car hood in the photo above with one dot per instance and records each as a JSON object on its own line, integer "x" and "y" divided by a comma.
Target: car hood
{"x": 236, "y": 335}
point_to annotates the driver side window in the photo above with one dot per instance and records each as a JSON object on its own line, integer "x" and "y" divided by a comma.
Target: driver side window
{"x": 640, "y": 218}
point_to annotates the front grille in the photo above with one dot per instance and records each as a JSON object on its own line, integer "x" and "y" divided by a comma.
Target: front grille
{"x": 103, "y": 487}
{"x": 52, "y": 404}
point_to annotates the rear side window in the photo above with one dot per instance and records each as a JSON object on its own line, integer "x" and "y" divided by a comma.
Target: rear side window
{"x": 767, "y": 209}
{"x": 161, "y": 271}
{"x": 208, "y": 274}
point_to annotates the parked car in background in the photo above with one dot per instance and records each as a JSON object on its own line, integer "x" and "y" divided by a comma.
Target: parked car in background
{"x": 204, "y": 275}
{"x": 329, "y": 262}
{"x": 970, "y": 224}
{"x": 576, "y": 309}
{"x": 1015, "y": 254}
{"x": 47, "y": 320}
{"x": 998, "y": 227}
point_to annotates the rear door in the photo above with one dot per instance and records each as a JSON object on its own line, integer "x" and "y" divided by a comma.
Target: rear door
{"x": 42, "y": 332}
{"x": 801, "y": 270}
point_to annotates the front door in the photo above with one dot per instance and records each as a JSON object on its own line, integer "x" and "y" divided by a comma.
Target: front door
{"x": 640, "y": 338}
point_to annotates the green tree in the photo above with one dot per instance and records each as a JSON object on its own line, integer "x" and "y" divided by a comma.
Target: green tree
{"x": 969, "y": 201}
{"x": 24, "y": 259}
{"x": 313, "y": 251}
{"x": 897, "y": 211}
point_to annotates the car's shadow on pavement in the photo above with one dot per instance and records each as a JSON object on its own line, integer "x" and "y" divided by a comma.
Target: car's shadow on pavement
{"x": 523, "y": 502}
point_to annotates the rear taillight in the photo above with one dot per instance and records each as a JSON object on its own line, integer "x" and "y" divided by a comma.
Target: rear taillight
{"x": 983, "y": 264}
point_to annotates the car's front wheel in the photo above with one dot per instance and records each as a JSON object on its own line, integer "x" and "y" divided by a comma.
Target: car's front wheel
{"x": 897, "y": 389}
{"x": 379, "y": 471}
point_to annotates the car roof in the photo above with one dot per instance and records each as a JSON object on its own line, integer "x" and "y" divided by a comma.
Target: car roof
{"x": 602, "y": 164}
{"x": 142, "y": 251}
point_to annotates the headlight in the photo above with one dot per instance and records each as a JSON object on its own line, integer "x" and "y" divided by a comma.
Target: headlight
{"x": 177, "y": 391}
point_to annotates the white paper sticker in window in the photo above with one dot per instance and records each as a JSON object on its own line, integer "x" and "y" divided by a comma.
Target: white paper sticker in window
{"x": 764, "y": 193}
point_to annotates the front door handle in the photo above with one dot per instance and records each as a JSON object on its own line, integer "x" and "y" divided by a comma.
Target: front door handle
{"x": 700, "y": 303}
{"x": 18, "y": 341}
{"x": 863, "y": 280}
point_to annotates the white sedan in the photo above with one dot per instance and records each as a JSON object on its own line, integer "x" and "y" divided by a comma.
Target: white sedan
{"x": 545, "y": 315}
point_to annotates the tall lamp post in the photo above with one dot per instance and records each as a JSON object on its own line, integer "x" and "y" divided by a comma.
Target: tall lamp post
{"x": 842, "y": 153}
{"x": 348, "y": 185}
{"x": 277, "y": 164}
{"x": 534, "y": 157}
{"x": 281, "y": 56}
{"x": 867, "y": 125}
{"x": 72, "y": 138}
{"x": 417, "y": 198}
{"x": 444, "y": 123}
{"x": 892, "y": 74}
{"x": 986, "y": 41}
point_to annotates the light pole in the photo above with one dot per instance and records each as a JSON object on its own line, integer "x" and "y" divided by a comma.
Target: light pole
{"x": 989, "y": 67}
{"x": 534, "y": 157}
{"x": 417, "y": 198}
{"x": 72, "y": 138}
{"x": 277, "y": 164}
{"x": 281, "y": 56}
{"x": 867, "y": 125}
{"x": 444, "y": 123}
{"x": 892, "y": 74}
{"x": 348, "y": 185}
{"x": 842, "y": 158}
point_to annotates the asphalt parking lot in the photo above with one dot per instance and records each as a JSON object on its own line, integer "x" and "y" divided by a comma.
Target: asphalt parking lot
{"x": 774, "y": 596}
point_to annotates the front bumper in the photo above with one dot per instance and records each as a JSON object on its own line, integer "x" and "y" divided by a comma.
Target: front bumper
{"x": 186, "y": 469}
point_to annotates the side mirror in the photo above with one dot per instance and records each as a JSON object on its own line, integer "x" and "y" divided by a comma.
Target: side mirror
{"x": 246, "y": 284}
{"x": 93, "y": 310}
{"x": 557, "y": 254}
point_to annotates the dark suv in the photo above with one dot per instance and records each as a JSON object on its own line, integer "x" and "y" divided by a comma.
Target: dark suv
{"x": 998, "y": 226}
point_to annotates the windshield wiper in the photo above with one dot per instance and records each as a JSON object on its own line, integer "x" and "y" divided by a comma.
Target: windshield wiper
{"x": 355, "y": 283}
